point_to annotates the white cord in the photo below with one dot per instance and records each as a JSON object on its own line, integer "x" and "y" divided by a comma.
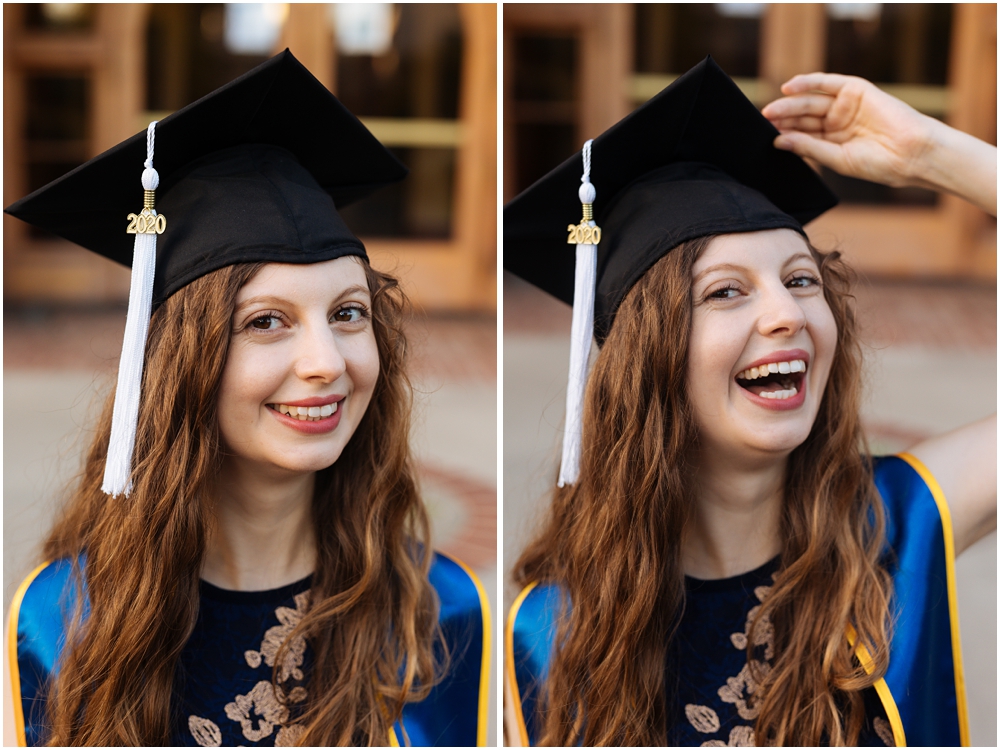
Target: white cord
{"x": 125, "y": 418}
{"x": 581, "y": 337}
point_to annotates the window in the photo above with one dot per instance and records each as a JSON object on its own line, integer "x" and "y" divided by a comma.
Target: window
{"x": 398, "y": 69}
{"x": 57, "y": 132}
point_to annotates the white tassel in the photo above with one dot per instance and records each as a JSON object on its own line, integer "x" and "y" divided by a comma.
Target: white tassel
{"x": 581, "y": 337}
{"x": 118, "y": 469}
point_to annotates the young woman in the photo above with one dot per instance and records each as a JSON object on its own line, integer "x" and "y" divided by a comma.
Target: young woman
{"x": 726, "y": 566}
{"x": 264, "y": 574}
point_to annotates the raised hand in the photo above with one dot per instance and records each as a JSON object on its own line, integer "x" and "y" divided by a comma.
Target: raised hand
{"x": 851, "y": 126}
{"x": 854, "y": 128}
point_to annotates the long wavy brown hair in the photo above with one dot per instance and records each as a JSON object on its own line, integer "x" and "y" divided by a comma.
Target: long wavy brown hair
{"x": 371, "y": 623}
{"x": 612, "y": 541}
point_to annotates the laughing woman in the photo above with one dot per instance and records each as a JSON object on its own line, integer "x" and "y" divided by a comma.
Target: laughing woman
{"x": 723, "y": 564}
{"x": 246, "y": 558}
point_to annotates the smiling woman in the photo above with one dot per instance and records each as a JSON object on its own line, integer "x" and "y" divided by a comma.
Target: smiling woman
{"x": 723, "y": 564}
{"x": 246, "y": 557}
{"x": 302, "y": 339}
{"x": 758, "y": 304}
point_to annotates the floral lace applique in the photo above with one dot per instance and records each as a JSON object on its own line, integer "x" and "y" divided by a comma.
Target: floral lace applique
{"x": 739, "y": 690}
{"x": 884, "y": 731}
{"x": 275, "y": 636}
{"x": 261, "y": 710}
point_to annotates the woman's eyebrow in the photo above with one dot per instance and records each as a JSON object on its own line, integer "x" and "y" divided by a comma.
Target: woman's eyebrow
{"x": 356, "y": 289}
{"x": 800, "y": 256}
{"x": 718, "y": 267}
{"x": 738, "y": 267}
{"x": 258, "y": 300}
{"x": 276, "y": 300}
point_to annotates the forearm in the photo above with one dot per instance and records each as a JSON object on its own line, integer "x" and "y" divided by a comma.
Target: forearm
{"x": 958, "y": 163}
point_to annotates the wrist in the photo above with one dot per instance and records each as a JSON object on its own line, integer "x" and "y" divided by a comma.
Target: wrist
{"x": 928, "y": 168}
{"x": 957, "y": 163}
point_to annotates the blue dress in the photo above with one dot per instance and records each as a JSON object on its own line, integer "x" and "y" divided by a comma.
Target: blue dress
{"x": 921, "y": 699}
{"x": 223, "y": 693}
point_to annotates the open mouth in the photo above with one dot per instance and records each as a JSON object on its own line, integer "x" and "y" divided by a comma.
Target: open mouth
{"x": 306, "y": 413}
{"x": 775, "y": 380}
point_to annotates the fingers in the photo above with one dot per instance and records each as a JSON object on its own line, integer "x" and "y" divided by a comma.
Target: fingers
{"x": 826, "y": 153}
{"x": 828, "y": 83}
{"x": 803, "y": 124}
{"x": 815, "y": 105}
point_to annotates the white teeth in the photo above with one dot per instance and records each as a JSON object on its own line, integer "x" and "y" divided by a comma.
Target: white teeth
{"x": 306, "y": 413}
{"x": 780, "y": 395}
{"x": 795, "y": 365}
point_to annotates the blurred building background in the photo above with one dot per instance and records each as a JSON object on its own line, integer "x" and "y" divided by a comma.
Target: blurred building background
{"x": 79, "y": 78}
{"x": 926, "y": 299}
{"x": 571, "y": 71}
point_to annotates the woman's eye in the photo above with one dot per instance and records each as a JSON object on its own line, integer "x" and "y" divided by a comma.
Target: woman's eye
{"x": 349, "y": 314}
{"x": 265, "y": 323}
{"x": 727, "y": 292}
{"x": 802, "y": 282}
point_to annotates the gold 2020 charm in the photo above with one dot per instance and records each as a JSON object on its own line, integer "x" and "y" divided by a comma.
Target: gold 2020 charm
{"x": 583, "y": 234}
{"x": 146, "y": 223}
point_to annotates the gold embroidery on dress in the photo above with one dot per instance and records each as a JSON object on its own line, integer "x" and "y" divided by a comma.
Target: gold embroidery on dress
{"x": 702, "y": 718}
{"x": 296, "y": 695}
{"x": 261, "y": 706}
{"x": 275, "y": 636}
{"x": 884, "y": 731}
{"x": 739, "y": 690}
{"x": 205, "y": 732}
{"x": 289, "y": 736}
{"x": 740, "y": 736}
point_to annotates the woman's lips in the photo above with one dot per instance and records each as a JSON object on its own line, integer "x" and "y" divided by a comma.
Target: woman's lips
{"x": 312, "y": 426}
{"x": 779, "y": 404}
{"x": 776, "y": 381}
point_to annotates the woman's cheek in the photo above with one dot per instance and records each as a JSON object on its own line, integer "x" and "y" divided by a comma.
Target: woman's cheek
{"x": 365, "y": 360}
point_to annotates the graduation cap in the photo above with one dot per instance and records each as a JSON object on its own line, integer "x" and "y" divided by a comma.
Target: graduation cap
{"x": 253, "y": 172}
{"x": 695, "y": 160}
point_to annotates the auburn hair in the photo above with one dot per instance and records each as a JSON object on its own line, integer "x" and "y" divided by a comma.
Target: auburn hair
{"x": 371, "y": 622}
{"x": 612, "y": 541}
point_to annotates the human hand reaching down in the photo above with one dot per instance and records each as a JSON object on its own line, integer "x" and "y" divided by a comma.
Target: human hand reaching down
{"x": 853, "y": 127}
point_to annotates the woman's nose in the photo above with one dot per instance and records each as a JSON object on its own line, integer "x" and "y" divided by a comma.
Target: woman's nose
{"x": 782, "y": 314}
{"x": 319, "y": 356}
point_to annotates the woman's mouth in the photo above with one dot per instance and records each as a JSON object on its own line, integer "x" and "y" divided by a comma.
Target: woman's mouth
{"x": 306, "y": 413}
{"x": 777, "y": 381}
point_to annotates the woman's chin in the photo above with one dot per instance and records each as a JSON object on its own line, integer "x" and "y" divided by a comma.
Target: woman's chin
{"x": 306, "y": 465}
{"x": 753, "y": 444}
{"x": 289, "y": 466}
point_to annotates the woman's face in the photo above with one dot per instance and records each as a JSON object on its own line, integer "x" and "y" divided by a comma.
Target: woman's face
{"x": 762, "y": 342}
{"x": 302, "y": 366}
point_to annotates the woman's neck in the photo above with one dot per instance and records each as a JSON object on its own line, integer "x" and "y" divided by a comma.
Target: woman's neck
{"x": 263, "y": 537}
{"x": 736, "y": 520}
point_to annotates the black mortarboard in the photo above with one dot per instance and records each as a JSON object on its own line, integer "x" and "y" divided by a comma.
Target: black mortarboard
{"x": 250, "y": 172}
{"x": 253, "y": 172}
{"x": 695, "y": 160}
